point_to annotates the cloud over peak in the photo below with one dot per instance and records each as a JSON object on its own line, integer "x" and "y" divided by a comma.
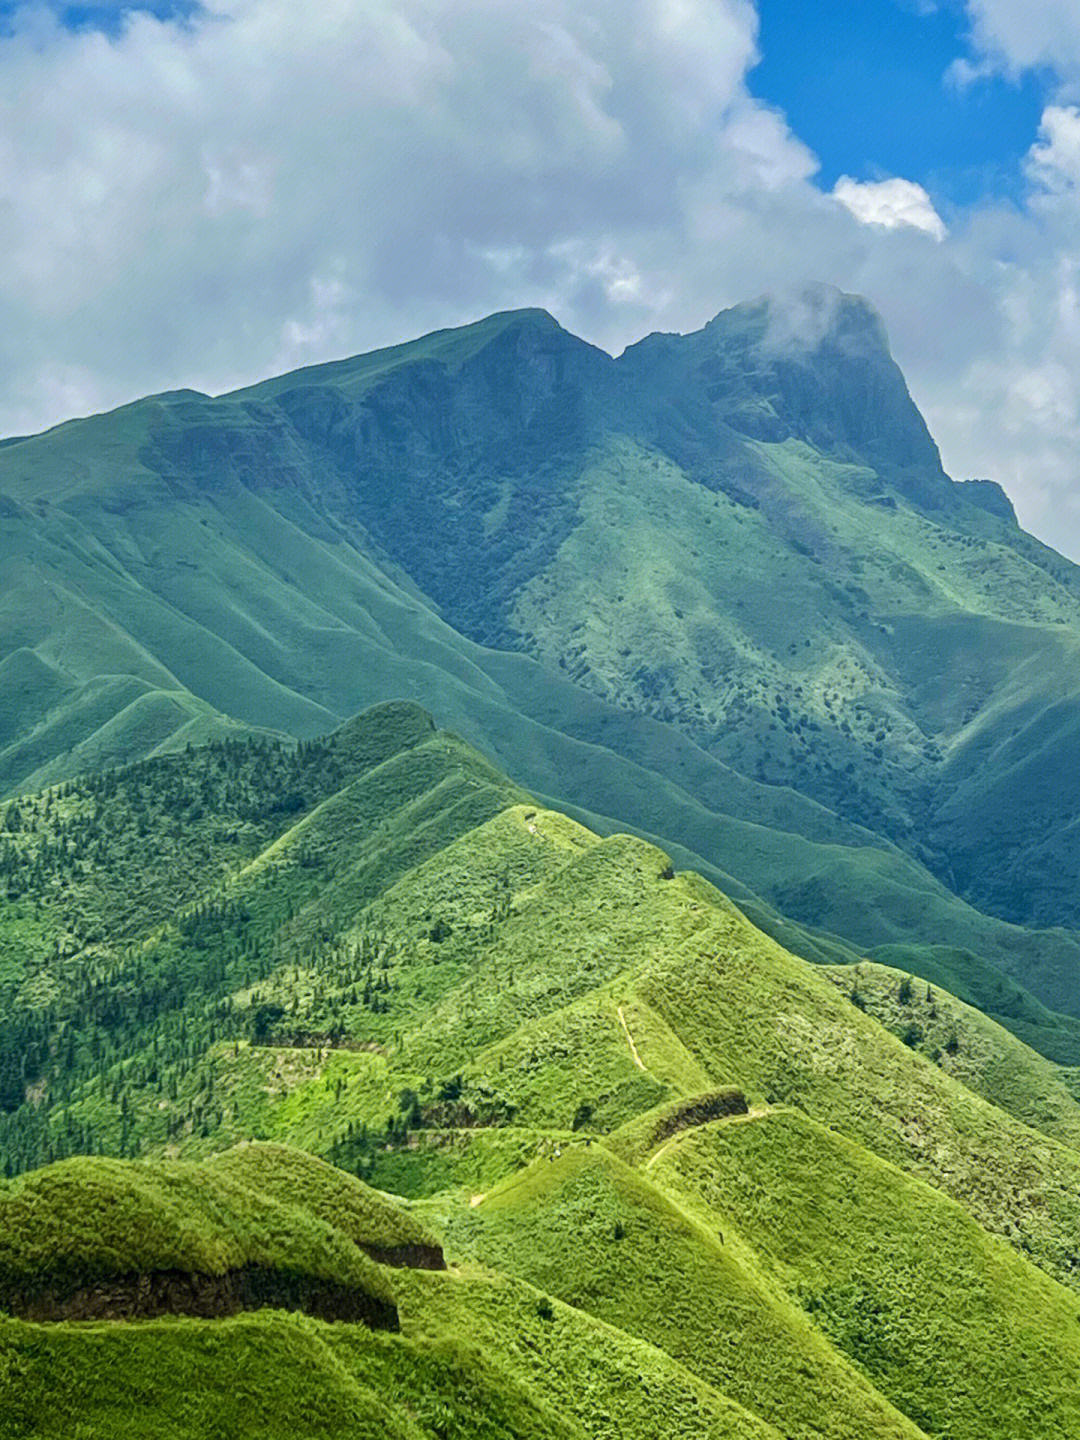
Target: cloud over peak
{"x": 890, "y": 204}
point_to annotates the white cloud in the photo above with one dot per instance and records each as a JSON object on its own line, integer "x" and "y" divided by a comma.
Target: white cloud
{"x": 1054, "y": 161}
{"x": 890, "y": 203}
{"x": 173, "y": 198}
{"x": 1011, "y": 36}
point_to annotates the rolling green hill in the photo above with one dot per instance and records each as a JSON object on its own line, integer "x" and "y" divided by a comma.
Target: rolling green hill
{"x": 550, "y": 1139}
{"x": 718, "y": 591}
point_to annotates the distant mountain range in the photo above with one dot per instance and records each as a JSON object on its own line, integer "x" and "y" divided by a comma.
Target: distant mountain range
{"x": 718, "y": 591}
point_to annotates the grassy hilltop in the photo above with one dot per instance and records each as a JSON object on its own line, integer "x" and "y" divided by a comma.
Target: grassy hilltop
{"x": 718, "y": 591}
{"x": 682, "y": 1181}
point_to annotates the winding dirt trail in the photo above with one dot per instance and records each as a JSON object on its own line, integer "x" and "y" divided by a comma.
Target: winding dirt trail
{"x": 756, "y": 1112}
{"x": 629, "y": 1038}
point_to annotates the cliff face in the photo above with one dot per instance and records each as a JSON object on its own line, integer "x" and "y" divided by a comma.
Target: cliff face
{"x": 209, "y": 1297}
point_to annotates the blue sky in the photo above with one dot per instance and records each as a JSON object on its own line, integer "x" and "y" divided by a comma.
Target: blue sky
{"x": 865, "y": 84}
{"x": 107, "y": 15}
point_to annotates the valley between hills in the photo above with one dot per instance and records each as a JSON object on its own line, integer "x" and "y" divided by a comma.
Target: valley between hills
{"x": 537, "y": 898}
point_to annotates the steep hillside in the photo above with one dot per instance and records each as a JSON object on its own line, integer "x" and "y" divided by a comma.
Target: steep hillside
{"x": 653, "y": 1175}
{"x": 901, "y": 1280}
{"x": 983, "y": 1055}
{"x": 89, "y": 1239}
{"x": 719, "y": 590}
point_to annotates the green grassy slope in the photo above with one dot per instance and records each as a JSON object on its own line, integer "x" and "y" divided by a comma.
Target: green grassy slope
{"x": 368, "y": 1217}
{"x": 785, "y": 1041}
{"x": 901, "y": 1280}
{"x": 87, "y": 1221}
{"x": 588, "y": 1229}
{"x": 969, "y": 1046}
{"x": 476, "y": 1362}
{"x": 717, "y": 590}
{"x": 603, "y": 1380}
{"x": 379, "y": 938}
{"x": 261, "y": 1375}
{"x": 462, "y": 1365}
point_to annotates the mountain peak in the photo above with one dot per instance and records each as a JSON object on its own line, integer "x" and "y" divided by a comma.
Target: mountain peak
{"x": 534, "y": 315}
{"x": 451, "y": 347}
{"x": 802, "y": 322}
{"x": 811, "y": 364}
